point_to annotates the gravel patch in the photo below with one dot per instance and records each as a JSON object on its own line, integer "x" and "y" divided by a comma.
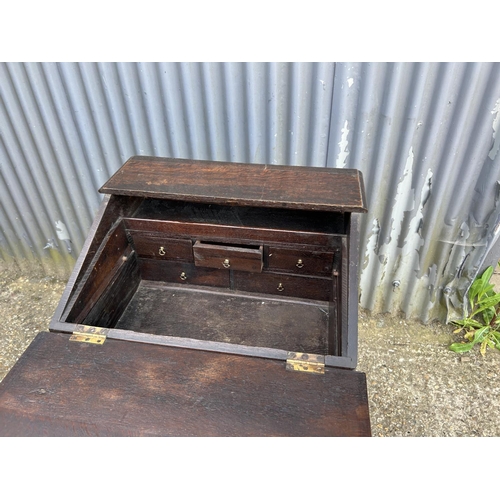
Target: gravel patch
{"x": 416, "y": 385}
{"x": 26, "y": 308}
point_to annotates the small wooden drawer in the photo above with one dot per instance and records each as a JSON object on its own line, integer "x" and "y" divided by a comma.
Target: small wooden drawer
{"x": 236, "y": 258}
{"x": 157, "y": 246}
{"x": 182, "y": 272}
{"x": 284, "y": 285}
{"x": 300, "y": 261}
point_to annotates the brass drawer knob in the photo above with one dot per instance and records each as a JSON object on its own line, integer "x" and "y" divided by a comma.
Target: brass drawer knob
{"x": 280, "y": 287}
{"x": 226, "y": 263}
{"x": 183, "y": 276}
{"x": 300, "y": 264}
{"x": 161, "y": 251}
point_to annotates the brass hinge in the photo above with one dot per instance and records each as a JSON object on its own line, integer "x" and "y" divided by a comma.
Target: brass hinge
{"x": 303, "y": 362}
{"x": 89, "y": 334}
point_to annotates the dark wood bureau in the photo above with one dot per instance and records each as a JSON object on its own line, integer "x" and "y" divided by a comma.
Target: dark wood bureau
{"x": 224, "y": 264}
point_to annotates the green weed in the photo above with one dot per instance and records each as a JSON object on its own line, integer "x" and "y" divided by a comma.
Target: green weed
{"x": 482, "y": 325}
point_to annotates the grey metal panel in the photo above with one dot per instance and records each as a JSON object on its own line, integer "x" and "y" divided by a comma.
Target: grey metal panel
{"x": 66, "y": 127}
{"x": 425, "y": 135}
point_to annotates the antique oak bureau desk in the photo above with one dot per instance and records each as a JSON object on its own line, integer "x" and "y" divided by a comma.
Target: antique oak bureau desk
{"x": 210, "y": 299}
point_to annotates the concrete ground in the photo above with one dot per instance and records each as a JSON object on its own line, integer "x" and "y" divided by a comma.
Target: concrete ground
{"x": 416, "y": 385}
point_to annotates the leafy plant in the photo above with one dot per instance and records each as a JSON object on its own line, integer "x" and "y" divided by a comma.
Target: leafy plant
{"x": 482, "y": 325}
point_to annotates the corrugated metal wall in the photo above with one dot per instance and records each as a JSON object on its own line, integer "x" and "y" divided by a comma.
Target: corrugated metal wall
{"x": 424, "y": 136}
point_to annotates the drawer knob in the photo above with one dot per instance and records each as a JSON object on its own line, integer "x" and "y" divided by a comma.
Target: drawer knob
{"x": 226, "y": 263}
{"x": 161, "y": 251}
{"x": 183, "y": 276}
{"x": 300, "y": 264}
{"x": 280, "y": 287}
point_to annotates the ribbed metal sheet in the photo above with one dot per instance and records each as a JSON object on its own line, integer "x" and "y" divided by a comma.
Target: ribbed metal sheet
{"x": 65, "y": 128}
{"x": 425, "y": 137}
{"x": 423, "y": 134}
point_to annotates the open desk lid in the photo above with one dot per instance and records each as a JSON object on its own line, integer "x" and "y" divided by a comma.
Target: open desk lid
{"x": 303, "y": 188}
{"x": 62, "y": 388}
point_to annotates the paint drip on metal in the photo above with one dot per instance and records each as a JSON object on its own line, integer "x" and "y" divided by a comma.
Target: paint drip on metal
{"x": 343, "y": 147}
{"x": 496, "y": 136}
{"x": 63, "y": 235}
{"x": 396, "y": 262}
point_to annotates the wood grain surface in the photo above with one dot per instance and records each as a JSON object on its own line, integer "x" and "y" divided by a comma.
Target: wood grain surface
{"x": 312, "y": 188}
{"x": 228, "y": 316}
{"x": 63, "y": 388}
